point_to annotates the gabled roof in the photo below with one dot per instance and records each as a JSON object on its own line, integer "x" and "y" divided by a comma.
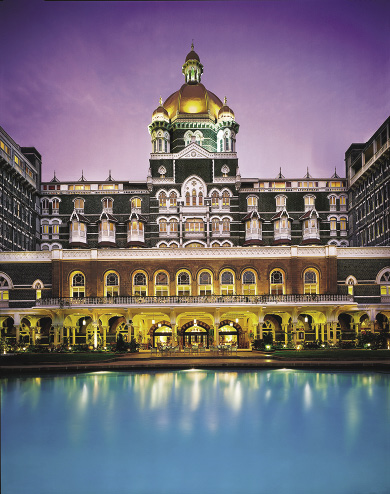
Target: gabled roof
{"x": 309, "y": 213}
{"x": 79, "y": 217}
{"x": 137, "y": 216}
{"x": 252, "y": 214}
{"x": 107, "y": 216}
{"x": 281, "y": 213}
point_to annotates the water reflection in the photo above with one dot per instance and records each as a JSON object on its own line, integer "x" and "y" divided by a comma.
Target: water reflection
{"x": 262, "y": 419}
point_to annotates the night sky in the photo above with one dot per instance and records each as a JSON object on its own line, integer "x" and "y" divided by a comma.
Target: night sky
{"x": 80, "y": 80}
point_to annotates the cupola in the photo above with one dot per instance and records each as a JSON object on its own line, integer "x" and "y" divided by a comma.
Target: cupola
{"x": 225, "y": 114}
{"x": 192, "y": 68}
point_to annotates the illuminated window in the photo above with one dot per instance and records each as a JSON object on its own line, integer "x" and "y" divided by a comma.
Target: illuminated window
{"x": 163, "y": 226}
{"x": 227, "y": 283}
{"x": 173, "y": 199}
{"x": 162, "y": 200}
{"x": 309, "y": 202}
{"x": 249, "y": 283}
{"x": 194, "y": 225}
{"x": 55, "y": 229}
{"x": 161, "y": 284}
{"x": 215, "y": 225}
{"x": 55, "y": 205}
{"x": 188, "y": 199}
{"x": 200, "y": 198}
{"x": 111, "y": 284}
{"x": 140, "y": 288}
{"x": 351, "y": 282}
{"x": 252, "y": 203}
{"x": 193, "y": 197}
{"x": 205, "y": 286}
{"x": 136, "y": 203}
{"x": 225, "y": 199}
{"x": 384, "y": 282}
{"x": 45, "y": 228}
{"x": 183, "y": 285}
{"x": 333, "y": 226}
{"x": 277, "y": 286}
{"x": 5, "y": 148}
{"x": 215, "y": 199}
{"x": 77, "y": 285}
{"x": 225, "y": 225}
{"x": 332, "y": 203}
{"x": 343, "y": 225}
{"x": 173, "y": 226}
{"x": 310, "y": 281}
{"x": 5, "y": 286}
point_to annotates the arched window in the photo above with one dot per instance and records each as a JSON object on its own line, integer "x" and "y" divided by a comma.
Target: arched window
{"x": 343, "y": 226}
{"x": 193, "y": 197}
{"x": 173, "y": 226}
{"x": 107, "y": 204}
{"x": 188, "y": 199}
{"x": 183, "y": 285}
{"x": 163, "y": 226}
{"x": 55, "y": 229}
{"x": 205, "y": 286}
{"x": 45, "y": 206}
{"x": 332, "y": 203}
{"x": 215, "y": 225}
{"x": 161, "y": 284}
{"x": 172, "y": 199}
{"x": 79, "y": 205}
{"x": 194, "y": 225}
{"x": 351, "y": 282}
{"x": 77, "y": 285}
{"x": 333, "y": 226}
{"x": 384, "y": 281}
{"x": 280, "y": 202}
{"x": 252, "y": 203}
{"x": 162, "y": 199}
{"x": 215, "y": 199}
{"x": 200, "y": 196}
{"x": 55, "y": 206}
{"x": 111, "y": 285}
{"x": 225, "y": 226}
{"x": 225, "y": 199}
{"x": 310, "y": 282}
{"x": 309, "y": 202}
{"x": 249, "y": 283}
{"x": 227, "y": 283}
{"x": 5, "y": 286}
{"x": 136, "y": 203}
{"x": 277, "y": 286}
{"x": 140, "y": 288}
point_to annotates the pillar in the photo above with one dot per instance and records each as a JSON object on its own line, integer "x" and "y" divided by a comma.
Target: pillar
{"x": 56, "y": 331}
{"x": 285, "y": 330}
{"x": 316, "y": 330}
{"x": 322, "y": 332}
{"x": 32, "y": 334}
{"x": 16, "y": 319}
{"x": 73, "y": 329}
{"x": 104, "y": 330}
{"x": 328, "y": 327}
{"x": 128, "y": 333}
{"x": 260, "y": 330}
{"x": 61, "y": 334}
{"x": 294, "y": 333}
{"x": 216, "y": 327}
{"x": 334, "y": 327}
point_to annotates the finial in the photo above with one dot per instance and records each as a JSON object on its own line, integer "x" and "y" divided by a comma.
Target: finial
{"x": 225, "y": 100}
{"x": 160, "y": 101}
{"x": 192, "y": 44}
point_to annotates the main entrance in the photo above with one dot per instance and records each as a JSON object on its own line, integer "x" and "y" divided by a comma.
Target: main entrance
{"x": 195, "y": 333}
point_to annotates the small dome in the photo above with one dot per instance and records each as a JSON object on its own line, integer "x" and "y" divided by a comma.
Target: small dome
{"x": 192, "y": 54}
{"x": 160, "y": 113}
{"x": 226, "y": 113}
{"x": 193, "y": 99}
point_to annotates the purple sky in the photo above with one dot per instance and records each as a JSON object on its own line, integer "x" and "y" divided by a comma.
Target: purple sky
{"x": 80, "y": 80}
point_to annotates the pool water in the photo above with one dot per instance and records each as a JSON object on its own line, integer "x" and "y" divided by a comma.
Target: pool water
{"x": 184, "y": 432}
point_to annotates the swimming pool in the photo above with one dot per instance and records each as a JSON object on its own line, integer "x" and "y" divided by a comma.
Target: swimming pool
{"x": 197, "y": 431}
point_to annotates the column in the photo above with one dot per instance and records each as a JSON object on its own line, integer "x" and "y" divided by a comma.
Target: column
{"x": 334, "y": 327}
{"x": 294, "y": 333}
{"x": 322, "y": 332}
{"x": 216, "y": 327}
{"x": 16, "y": 319}
{"x": 328, "y": 328}
{"x": 260, "y": 329}
{"x": 95, "y": 338}
{"x": 56, "y": 331}
{"x": 316, "y": 330}
{"x": 32, "y": 334}
{"x": 73, "y": 329}
{"x": 128, "y": 333}
{"x": 61, "y": 334}
{"x": 104, "y": 330}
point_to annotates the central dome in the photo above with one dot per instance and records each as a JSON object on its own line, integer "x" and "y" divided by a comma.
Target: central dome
{"x": 193, "y": 99}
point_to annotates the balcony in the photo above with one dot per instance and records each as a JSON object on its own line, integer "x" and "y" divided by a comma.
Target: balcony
{"x": 253, "y": 234}
{"x": 201, "y": 300}
{"x": 106, "y": 236}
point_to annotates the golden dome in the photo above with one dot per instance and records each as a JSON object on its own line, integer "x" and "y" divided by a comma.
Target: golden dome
{"x": 193, "y": 99}
{"x": 226, "y": 113}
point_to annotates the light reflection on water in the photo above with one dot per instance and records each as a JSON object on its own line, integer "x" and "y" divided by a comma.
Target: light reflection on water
{"x": 279, "y": 431}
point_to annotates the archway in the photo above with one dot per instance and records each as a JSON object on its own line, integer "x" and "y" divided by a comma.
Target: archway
{"x": 161, "y": 334}
{"x": 195, "y": 333}
{"x": 230, "y": 333}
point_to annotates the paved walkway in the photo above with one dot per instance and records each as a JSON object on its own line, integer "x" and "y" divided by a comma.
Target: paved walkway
{"x": 244, "y": 360}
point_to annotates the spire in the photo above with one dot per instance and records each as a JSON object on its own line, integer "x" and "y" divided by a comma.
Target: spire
{"x": 109, "y": 179}
{"x": 82, "y": 179}
{"x": 307, "y": 174}
{"x": 54, "y": 179}
{"x": 192, "y": 45}
{"x": 280, "y": 173}
{"x": 225, "y": 100}
{"x": 161, "y": 101}
{"x": 335, "y": 174}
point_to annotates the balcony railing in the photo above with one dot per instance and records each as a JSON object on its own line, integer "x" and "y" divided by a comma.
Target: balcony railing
{"x": 195, "y": 300}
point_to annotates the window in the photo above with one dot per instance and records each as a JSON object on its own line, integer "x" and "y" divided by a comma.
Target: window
{"x": 172, "y": 199}
{"x": 277, "y": 283}
{"x": 343, "y": 226}
{"x": 333, "y": 226}
{"x": 5, "y": 285}
{"x": 309, "y": 202}
{"x": 351, "y": 282}
{"x": 77, "y": 287}
{"x": 227, "y": 283}
{"x": 332, "y": 203}
{"x": 225, "y": 226}
{"x": 45, "y": 228}
{"x": 343, "y": 203}
{"x": 384, "y": 282}
{"x": 136, "y": 203}
{"x": 173, "y": 226}
{"x": 280, "y": 202}
{"x": 205, "y": 283}
{"x": 161, "y": 286}
{"x": 215, "y": 199}
{"x": 194, "y": 225}
{"x": 252, "y": 203}
{"x": 162, "y": 199}
{"x": 111, "y": 285}
{"x": 249, "y": 283}
{"x": 45, "y": 206}
{"x": 55, "y": 229}
{"x": 140, "y": 285}
{"x": 79, "y": 205}
{"x": 225, "y": 199}
{"x": 188, "y": 199}
{"x": 107, "y": 204}
{"x": 55, "y": 206}
{"x": 310, "y": 282}
{"x": 163, "y": 226}
{"x": 183, "y": 283}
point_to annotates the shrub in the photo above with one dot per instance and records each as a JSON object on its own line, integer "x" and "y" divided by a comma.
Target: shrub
{"x": 133, "y": 345}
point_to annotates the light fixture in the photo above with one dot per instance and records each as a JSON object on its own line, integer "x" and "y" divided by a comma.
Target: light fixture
{"x": 195, "y": 322}
{"x": 84, "y": 322}
{"x": 231, "y": 323}
{"x": 306, "y": 319}
{"x": 236, "y": 319}
{"x": 159, "y": 324}
{"x": 153, "y": 321}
